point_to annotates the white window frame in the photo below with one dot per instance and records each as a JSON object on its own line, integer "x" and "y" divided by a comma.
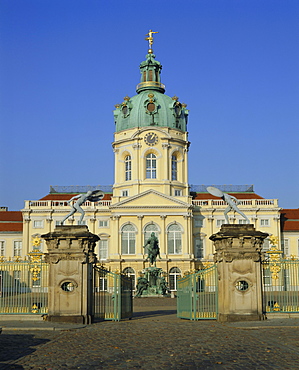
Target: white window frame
{"x": 17, "y": 248}
{"x": 242, "y": 221}
{"x": 174, "y": 237}
{"x": 103, "y": 249}
{"x": 38, "y": 224}
{"x": 128, "y": 168}
{"x": 173, "y": 278}
{"x": 220, "y": 222}
{"x": 105, "y": 223}
{"x": 128, "y": 240}
{"x": 2, "y": 248}
{"x": 286, "y": 246}
{"x": 125, "y": 193}
{"x": 177, "y": 192}
{"x": 151, "y": 166}
{"x": 265, "y": 222}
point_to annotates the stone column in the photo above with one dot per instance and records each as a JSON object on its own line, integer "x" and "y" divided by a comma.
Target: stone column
{"x": 71, "y": 258}
{"x": 238, "y": 257}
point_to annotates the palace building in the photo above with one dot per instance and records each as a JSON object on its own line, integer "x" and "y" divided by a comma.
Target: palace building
{"x": 151, "y": 193}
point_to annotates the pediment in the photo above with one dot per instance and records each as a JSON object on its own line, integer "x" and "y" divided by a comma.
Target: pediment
{"x": 151, "y": 199}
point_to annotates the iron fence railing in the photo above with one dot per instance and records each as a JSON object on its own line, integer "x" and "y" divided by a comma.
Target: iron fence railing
{"x": 24, "y": 285}
{"x": 281, "y": 285}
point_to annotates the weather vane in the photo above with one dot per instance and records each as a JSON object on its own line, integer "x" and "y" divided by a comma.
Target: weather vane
{"x": 150, "y": 40}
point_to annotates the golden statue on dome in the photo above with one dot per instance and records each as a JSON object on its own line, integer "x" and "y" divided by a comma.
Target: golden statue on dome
{"x": 150, "y": 40}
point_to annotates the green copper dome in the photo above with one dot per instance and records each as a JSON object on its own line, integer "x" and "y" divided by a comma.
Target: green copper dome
{"x": 150, "y": 107}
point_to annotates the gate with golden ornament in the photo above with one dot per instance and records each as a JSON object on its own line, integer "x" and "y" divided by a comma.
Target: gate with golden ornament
{"x": 280, "y": 283}
{"x": 24, "y": 285}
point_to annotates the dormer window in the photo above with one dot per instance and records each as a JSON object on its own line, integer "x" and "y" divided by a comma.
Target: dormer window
{"x": 124, "y": 110}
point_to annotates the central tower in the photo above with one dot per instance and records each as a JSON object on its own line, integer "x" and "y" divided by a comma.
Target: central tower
{"x": 151, "y": 139}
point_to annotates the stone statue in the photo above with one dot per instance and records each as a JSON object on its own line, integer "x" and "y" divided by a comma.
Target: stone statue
{"x": 153, "y": 249}
{"x": 163, "y": 286}
{"x": 230, "y": 200}
{"x": 142, "y": 285}
{"x": 92, "y": 196}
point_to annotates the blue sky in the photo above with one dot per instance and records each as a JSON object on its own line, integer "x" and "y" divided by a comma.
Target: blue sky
{"x": 66, "y": 63}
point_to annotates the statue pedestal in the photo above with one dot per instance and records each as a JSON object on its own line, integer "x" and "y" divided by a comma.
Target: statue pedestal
{"x": 156, "y": 284}
{"x": 238, "y": 258}
{"x": 71, "y": 258}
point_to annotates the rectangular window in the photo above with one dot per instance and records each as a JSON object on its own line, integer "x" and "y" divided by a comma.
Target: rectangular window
{"x": 199, "y": 248}
{"x": 103, "y": 223}
{"x": 82, "y": 222}
{"x": 174, "y": 168}
{"x": 220, "y": 222}
{"x": 38, "y": 224}
{"x": 243, "y": 221}
{"x": 2, "y": 248}
{"x": 128, "y": 244}
{"x": 285, "y": 247}
{"x": 177, "y": 193}
{"x": 103, "y": 284}
{"x": 125, "y": 193}
{"x": 265, "y": 222}
{"x": 151, "y": 166}
{"x": 17, "y": 248}
{"x": 174, "y": 244}
{"x": 128, "y": 168}
{"x": 103, "y": 249}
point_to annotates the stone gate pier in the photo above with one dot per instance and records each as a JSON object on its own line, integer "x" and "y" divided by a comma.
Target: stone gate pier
{"x": 71, "y": 258}
{"x": 238, "y": 257}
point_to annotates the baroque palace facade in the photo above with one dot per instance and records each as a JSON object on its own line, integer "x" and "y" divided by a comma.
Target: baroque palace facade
{"x": 151, "y": 193}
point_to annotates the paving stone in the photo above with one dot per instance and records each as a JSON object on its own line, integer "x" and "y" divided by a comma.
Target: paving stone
{"x": 155, "y": 338}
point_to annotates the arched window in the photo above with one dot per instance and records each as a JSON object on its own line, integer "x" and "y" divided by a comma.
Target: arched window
{"x": 151, "y": 166}
{"x": 128, "y": 239}
{"x": 128, "y": 168}
{"x": 174, "y": 167}
{"x": 174, "y": 239}
{"x": 148, "y": 230}
{"x": 131, "y": 274}
{"x": 174, "y": 275}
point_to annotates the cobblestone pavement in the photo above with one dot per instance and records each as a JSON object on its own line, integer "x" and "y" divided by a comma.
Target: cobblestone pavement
{"x": 155, "y": 339}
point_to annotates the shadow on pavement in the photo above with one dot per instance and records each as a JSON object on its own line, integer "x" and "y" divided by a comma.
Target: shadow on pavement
{"x": 15, "y": 346}
{"x": 153, "y": 313}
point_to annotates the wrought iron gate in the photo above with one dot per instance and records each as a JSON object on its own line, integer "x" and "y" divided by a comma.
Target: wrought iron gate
{"x": 24, "y": 285}
{"x": 197, "y": 295}
{"x": 112, "y": 295}
{"x": 280, "y": 283}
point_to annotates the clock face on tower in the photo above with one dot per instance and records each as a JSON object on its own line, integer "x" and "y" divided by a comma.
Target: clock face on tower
{"x": 151, "y": 138}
